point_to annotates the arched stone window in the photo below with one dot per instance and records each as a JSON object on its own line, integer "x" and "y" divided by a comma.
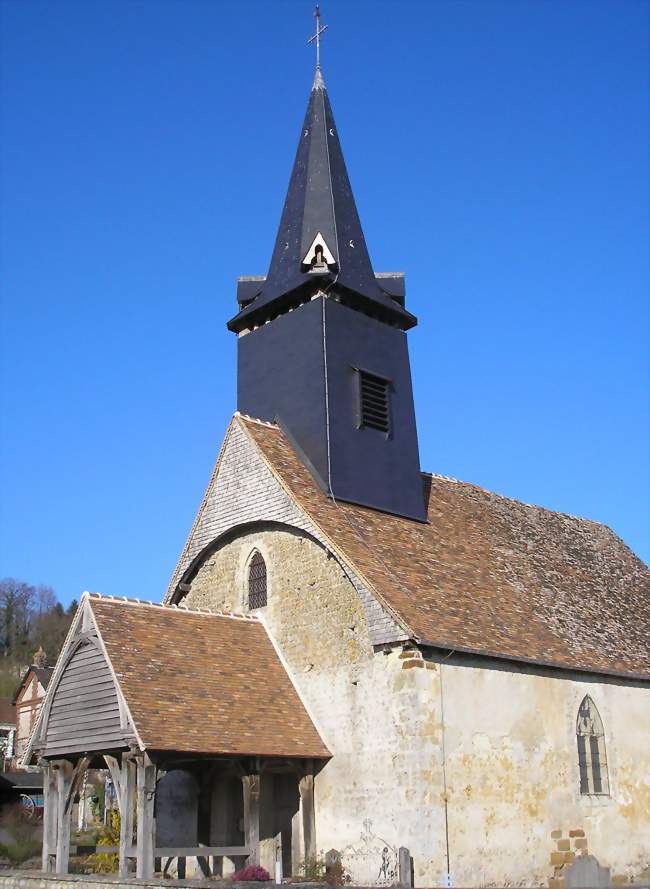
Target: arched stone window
{"x": 256, "y": 582}
{"x": 592, "y": 756}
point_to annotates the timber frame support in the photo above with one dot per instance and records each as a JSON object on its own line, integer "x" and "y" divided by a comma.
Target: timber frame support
{"x": 50, "y": 816}
{"x": 146, "y": 795}
{"x": 306, "y": 788}
{"x": 61, "y": 781}
{"x": 251, "y": 784}
{"x": 124, "y": 778}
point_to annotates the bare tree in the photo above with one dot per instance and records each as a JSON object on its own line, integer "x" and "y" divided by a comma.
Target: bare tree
{"x": 17, "y": 601}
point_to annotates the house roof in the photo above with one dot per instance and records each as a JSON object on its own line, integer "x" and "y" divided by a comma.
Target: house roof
{"x": 24, "y": 780}
{"x": 203, "y": 682}
{"x": 487, "y": 574}
{"x": 43, "y": 674}
{"x": 7, "y": 712}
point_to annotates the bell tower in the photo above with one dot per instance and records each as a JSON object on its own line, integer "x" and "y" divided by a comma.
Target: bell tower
{"x": 322, "y": 346}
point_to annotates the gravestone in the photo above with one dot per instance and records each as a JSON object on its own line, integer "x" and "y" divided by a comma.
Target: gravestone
{"x": 405, "y": 868}
{"x": 586, "y": 873}
{"x": 333, "y": 862}
{"x": 177, "y": 813}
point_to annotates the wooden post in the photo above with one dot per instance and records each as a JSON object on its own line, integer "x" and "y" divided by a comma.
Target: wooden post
{"x": 146, "y": 793}
{"x": 50, "y": 816}
{"x": 63, "y": 815}
{"x": 126, "y": 799}
{"x": 306, "y": 787}
{"x": 251, "y": 785}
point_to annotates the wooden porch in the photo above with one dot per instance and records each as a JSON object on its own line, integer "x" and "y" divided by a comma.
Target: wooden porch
{"x": 136, "y": 778}
{"x": 210, "y": 749}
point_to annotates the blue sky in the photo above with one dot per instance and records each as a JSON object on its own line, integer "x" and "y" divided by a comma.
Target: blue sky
{"x": 498, "y": 154}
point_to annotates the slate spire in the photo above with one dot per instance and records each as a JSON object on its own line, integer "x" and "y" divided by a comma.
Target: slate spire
{"x": 322, "y": 347}
{"x": 320, "y": 243}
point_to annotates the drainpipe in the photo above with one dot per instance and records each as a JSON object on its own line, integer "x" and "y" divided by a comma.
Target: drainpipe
{"x": 447, "y": 881}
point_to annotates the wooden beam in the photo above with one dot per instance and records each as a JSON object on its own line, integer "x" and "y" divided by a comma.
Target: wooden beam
{"x": 199, "y": 851}
{"x": 127, "y": 801}
{"x": 251, "y": 785}
{"x": 116, "y": 776}
{"x": 50, "y": 816}
{"x": 76, "y": 778}
{"x": 146, "y": 794}
{"x": 306, "y": 787}
{"x": 64, "y": 772}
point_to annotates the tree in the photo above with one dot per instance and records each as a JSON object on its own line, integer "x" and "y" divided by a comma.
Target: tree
{"x": 17, "y": 600}
{"x": 30, "y": 616}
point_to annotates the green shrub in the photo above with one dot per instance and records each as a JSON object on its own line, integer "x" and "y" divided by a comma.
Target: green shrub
{"x": 107, "y": 862}
{"x": 312, "y": 869}
{"x": 25, "y": 841}
{"x": 22, "y": 850}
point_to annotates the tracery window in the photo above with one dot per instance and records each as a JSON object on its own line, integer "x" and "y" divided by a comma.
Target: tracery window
{"x": 592, "y": 756}
{"x": 257, "y": 582}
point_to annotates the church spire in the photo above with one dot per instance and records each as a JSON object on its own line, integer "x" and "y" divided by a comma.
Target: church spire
{"x": 320, "y": 243}
{"x": 321, "y": 343}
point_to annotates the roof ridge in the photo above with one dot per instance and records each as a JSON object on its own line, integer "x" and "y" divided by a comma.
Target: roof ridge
{"x": 256, "y": 420}
{"x": 126, "y": 600}
{"x": 458, "y": 481}
{"x": 537, "y": 506}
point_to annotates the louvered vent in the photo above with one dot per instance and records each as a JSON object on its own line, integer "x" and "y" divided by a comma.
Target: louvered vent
{"x": 374, "y": 402}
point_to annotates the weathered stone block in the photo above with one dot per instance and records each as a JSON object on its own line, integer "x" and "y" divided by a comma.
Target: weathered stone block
{"x": 556, "y": 883}
{"x": 569, "y": 857}
{"x": 407, "y": 665}
{"x": 620, "y": 879}
{"x": 557, "y": 858}
{"x": 580, "y": 843}
{"x": 556, "y": 834}
{"x": 563, "y": 845}
{"x": 576, "y": 833}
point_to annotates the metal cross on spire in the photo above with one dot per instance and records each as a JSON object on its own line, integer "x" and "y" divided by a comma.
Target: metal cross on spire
{"x": 316, "y": 37}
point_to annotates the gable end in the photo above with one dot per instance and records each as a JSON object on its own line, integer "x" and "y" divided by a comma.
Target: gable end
{"x": 83, "y": 712}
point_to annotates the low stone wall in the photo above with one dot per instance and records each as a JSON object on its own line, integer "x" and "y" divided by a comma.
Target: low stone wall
{"x": 23, "y": 879}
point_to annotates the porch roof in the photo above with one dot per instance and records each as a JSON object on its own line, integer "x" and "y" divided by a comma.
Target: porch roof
{"x": 202, "y": 682}
{"x": 174, "y": 680}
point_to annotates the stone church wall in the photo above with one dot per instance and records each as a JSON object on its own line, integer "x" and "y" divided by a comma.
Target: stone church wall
{"x": 510, "y": 757}
{"x": 516, "y": 815}
{"x": 379, "y": 788}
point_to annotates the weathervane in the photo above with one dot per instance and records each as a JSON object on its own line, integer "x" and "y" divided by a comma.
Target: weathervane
{"x": 316, "y": 37}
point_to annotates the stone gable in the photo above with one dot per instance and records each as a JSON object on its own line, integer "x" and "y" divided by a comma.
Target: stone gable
{"x": 242, "y": 491}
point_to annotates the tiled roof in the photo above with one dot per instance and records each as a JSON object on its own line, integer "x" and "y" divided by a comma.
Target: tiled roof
{"x": 43, "y": 674}
{"x": 7, "y": 711}
{"x": 487, "y": 574}
{"x": 204, "y": 683}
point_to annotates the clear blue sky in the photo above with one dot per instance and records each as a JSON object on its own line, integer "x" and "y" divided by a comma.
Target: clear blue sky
{"x": 498, "y": 153}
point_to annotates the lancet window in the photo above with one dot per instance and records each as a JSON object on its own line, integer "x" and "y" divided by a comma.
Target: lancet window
{"x": 592, "y": 756}
{"x": 256, "y": 582}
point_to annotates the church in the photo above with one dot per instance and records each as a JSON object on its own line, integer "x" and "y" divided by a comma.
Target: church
{"x": 354, "y": 656}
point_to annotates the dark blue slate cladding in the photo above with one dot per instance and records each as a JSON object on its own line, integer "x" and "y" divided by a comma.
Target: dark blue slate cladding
{"x": 307, "y": 331}
{"x": 281, "y": 377}
{"x": 367, "y": 466}
{"x": 320, "y": 201}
